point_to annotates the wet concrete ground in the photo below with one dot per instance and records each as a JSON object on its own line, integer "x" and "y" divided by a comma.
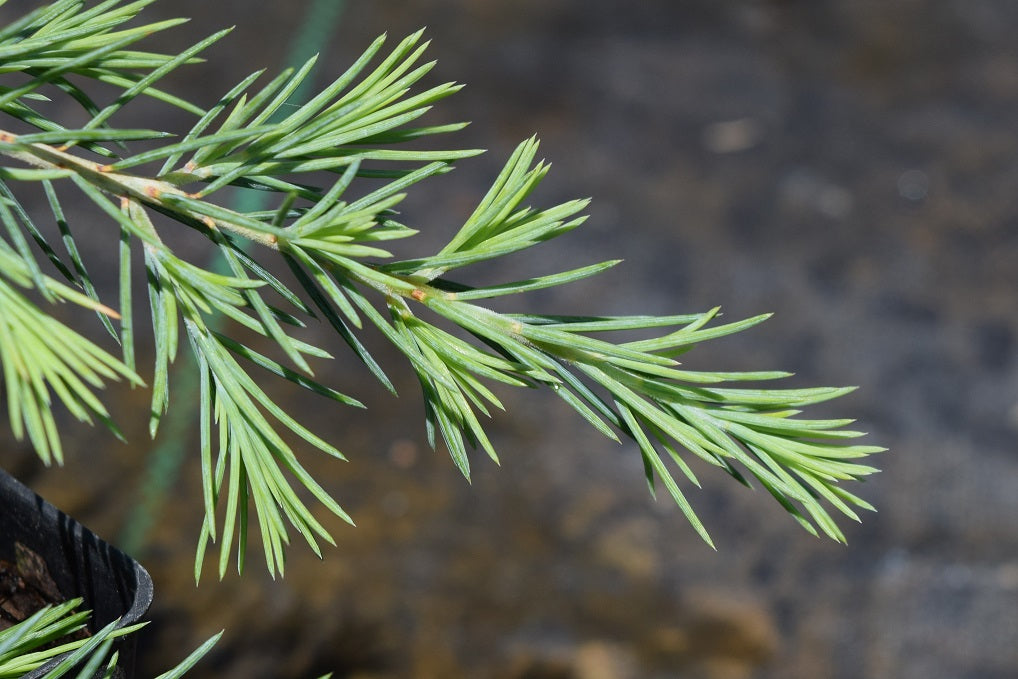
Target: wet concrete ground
{"x": 846, "y": 165}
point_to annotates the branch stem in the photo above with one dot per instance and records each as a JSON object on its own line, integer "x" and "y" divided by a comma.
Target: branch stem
{"x": 146, "y": 190}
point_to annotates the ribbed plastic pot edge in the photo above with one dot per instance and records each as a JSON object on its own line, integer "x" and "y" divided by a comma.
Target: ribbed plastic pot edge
{"x": 112, "y": 584}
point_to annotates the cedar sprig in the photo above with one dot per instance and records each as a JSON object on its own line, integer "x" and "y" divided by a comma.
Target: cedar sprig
{"x": 338, "y": 167}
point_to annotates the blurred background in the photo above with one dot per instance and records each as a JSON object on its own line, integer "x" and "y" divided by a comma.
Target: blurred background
{"x": 848, "y": 165}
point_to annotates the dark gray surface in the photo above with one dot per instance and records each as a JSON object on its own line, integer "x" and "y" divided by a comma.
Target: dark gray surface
{"x": 847, "y": 165}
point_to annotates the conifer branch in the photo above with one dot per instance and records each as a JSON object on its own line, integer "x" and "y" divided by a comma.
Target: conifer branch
{"x": 332, "y": 234}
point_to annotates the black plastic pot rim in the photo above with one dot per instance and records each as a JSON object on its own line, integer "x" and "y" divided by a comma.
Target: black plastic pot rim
{"x": 113, "y": 585}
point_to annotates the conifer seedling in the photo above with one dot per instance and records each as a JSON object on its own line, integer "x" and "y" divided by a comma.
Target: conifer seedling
{"x": 334, "y": 169}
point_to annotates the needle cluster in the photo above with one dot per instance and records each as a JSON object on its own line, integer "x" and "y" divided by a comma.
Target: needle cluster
{"x": 332, "y": 233}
